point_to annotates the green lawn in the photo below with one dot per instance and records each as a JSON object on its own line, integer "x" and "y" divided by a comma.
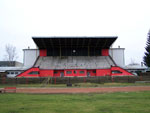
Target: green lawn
{"x": 133, "y": 102}
{"x": 78, "y": 85}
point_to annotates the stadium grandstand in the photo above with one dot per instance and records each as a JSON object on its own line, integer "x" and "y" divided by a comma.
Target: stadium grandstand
{"x": 74, "y": 57}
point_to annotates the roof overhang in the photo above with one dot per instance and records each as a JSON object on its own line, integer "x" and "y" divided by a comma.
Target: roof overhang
{"x": 54, "y": 42}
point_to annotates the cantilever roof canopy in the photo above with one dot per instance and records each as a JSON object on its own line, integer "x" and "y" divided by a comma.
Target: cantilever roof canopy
{"x": 54, "y": 42}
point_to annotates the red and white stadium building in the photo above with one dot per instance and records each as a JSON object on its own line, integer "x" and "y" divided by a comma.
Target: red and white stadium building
{"x": 74, "y": 57}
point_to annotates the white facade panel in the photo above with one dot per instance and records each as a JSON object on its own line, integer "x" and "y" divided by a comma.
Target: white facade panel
{"x": 30, "y": 56}
{"x": 117, "y": 55}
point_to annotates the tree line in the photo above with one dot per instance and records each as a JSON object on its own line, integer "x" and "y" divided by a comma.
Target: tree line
{"x": 146, "y": 58}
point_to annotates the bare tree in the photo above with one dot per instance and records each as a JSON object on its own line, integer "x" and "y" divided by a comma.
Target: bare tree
{"x": 11, "y": 54}
{"x": 132, "y": 63}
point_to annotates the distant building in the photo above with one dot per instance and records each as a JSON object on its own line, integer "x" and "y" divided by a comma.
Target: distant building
{"x": 11, "y": 68}
{"x": 136, "y": 68}
{"x": 10, "y": 64}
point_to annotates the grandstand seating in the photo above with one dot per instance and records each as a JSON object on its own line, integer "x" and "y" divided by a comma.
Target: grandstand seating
{"x": 74, "y": 62}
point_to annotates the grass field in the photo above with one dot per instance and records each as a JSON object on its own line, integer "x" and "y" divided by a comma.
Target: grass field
{"x": 78, "y": 85}
{"x": 133, "y": 102}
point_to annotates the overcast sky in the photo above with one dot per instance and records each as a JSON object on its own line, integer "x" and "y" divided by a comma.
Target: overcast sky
{"x": 127, "y": 19}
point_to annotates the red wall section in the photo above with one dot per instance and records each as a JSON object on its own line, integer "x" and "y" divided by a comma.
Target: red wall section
{"x": 71, "y": 74}
{"x": 103, "y": 72}
{"x": 124, "y": 72}
{"x": 26, "y": 73}
{"x": 81, "y": 74}
{"x": 57, "y": 73}
{"x": 46, "y": 73}
{"x": 43, "y": 52}
{"x": 75, "y": 72}
{"x": 91, "y": 72}
{"x": 105, "y": 52}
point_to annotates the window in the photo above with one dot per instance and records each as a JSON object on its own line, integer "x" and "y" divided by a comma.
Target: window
{"x": 11, "y": 72}
{"x": 75, "y": 72}
{"x": 69, "y": 72}
{"x": 16, "y": 73}
{"x": 116, "y": 71}
{"x": 81, "y": 72}
{"x": 34, "y": 73}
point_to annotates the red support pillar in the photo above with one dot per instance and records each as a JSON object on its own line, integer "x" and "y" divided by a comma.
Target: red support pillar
{"x": 26, "y": 80}
{"x": 43, "y": 52}
{"x": 84, "y": 79}
{"x": 55, "y": 80}
{"x": 4, "y": 80}
{"x": 105, "y": 52}
{"x": 141, "y": 78}
{"x": 112, "y": 78}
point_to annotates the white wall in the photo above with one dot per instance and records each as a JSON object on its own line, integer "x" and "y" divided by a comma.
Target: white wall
{"x": 30, "y": 56}
{"x": 11, "y": 74}
{"x": 118, "y": 56}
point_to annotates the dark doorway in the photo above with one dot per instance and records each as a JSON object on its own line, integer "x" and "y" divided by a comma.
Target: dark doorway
{"x": 88, "y": 74}
{"x": 61, "y": 74}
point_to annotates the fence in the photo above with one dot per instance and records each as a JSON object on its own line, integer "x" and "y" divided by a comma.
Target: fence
{"x": 65, "y": 80}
